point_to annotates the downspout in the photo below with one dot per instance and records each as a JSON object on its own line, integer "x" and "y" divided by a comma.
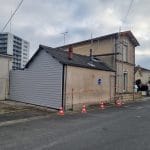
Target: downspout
{"x": 110, "y": 87}
{"x": 7, "y": 86}
{"x": 9, "y": 71}
{"x": 62, "y": 105}
{"x": 115, "y": 66}
{"x": 64, "y": 77}
{"x": 134, "y": 74}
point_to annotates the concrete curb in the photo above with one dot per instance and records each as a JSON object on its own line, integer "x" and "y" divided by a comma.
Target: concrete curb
{"x": 19, "y": 106}
{"x": 112, "y": 104}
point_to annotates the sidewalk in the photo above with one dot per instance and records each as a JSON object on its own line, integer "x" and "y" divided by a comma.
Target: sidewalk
{"x": 13, "y": 111}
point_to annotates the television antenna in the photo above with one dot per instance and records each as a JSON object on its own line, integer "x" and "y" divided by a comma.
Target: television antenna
{"x": 64, "y": 36}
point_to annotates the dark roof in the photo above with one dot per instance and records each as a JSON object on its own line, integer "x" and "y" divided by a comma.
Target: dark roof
{"x": 141, "y": 69}
{"x": 126, "y": 33}
{"x": 78, "y": 60}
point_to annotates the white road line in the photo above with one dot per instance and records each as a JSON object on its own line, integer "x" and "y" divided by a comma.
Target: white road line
{"x": 11, "y": 122}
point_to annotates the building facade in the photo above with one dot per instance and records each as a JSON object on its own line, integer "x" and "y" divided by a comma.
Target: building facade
{"x": 5, "y": 67}
{"x": 142, "y": 74}
{"x": 17, "y": 47}
{"x": 117, "y": 50}
{"x": 52, "y": 79}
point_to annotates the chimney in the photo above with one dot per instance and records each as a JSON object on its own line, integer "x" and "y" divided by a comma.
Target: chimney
{"x": 70, "y": 53}
{"x": 91, "y": 56}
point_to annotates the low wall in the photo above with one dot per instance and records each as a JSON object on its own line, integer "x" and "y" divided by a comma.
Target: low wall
{"x": 129, "y": 96}
{"x": 137, "y": 95}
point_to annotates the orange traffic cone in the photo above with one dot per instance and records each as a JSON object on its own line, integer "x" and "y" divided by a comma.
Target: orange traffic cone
{"x": 102, "y": 105}
{"x": 61, "y": 112}
{"x": 84, "y": 109}
{"x": 118, "y": 103}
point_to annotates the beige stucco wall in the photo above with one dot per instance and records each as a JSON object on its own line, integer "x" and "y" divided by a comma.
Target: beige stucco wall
{"x": 82, "y": 86}
{"x": 109, "y": 45}
{"x": 99, "y": 47}
{"x": 122, "y": 67}
{"x": 5, "y": 66}
{"x": 130, "y": 51}
{"x": 127, "y": 67}
{"x": 144, "y": 76}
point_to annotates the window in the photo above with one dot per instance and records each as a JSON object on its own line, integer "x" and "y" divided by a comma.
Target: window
{"x": 17, "y": 38}
{"x": 25, "y": 54}
{"x": 25, "y": 50}
{"x": 24, "y": 57}
{"x": 125, "y": 81}
{"x": 26, "y": 42}
{"x": 25, "y": 46}
{"x": 125, "y": 53}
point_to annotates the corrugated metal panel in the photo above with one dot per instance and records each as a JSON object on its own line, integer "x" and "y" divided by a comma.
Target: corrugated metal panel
{"x": 40, "y": 84}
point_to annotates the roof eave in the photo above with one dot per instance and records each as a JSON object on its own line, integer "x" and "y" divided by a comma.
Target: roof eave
{"x": 88, "y": 67}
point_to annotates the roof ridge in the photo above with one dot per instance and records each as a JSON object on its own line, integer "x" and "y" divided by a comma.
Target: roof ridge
{"x": 104, "y": 36}
{"x": 139, "y": 67}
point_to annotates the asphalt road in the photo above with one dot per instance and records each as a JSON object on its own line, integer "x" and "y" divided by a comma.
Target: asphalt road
{"x": 126, "y": 128}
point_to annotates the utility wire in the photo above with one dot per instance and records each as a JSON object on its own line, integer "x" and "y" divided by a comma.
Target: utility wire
{"x": 127, "y": 14}
{"x": 123, "y": 21}
{"x": 12, "y": 15}
{"x": 129, "y": 8}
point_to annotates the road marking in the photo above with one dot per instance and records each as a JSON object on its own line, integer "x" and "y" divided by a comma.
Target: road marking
{"x": 126, "y": 106}
{"x": 11, "y": 122}
{"x": 139, "y": 107}
{"x": 138, "y": 116}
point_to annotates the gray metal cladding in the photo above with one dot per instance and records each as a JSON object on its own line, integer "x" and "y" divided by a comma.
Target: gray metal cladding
{"x": 40, "y": 84}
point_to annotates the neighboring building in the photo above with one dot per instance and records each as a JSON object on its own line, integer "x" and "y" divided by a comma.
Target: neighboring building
{"x": 55, "y": 78}
{"x": 5, "y": 67}
{"x": 143, "y": 74}
{"x": 13, "y": 45}
{"x": 118, "y": 51}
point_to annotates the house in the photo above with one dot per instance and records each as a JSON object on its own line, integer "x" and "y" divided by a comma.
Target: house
{"x": 5, "y": 67}
{"x": 117, "y": 50}
{"x": 142, "y": 74}
{"x": 55, "y": 78}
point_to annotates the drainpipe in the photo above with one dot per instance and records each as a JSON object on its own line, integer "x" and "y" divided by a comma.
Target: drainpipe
{"x": 115, "y": 66}
{"x": 134, "y": 75}
{"x": 91, "y": 55}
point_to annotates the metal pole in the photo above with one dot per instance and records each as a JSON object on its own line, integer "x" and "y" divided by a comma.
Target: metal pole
{"x": 64, "y": 36}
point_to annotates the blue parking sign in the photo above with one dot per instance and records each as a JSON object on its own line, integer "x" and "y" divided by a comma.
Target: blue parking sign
{"x": 99, "y": 81}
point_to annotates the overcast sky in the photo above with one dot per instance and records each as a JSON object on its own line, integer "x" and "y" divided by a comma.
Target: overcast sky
{"x": 43, "y": 21}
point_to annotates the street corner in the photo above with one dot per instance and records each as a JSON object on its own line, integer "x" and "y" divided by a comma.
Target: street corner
{"x": 13, "y": 112}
